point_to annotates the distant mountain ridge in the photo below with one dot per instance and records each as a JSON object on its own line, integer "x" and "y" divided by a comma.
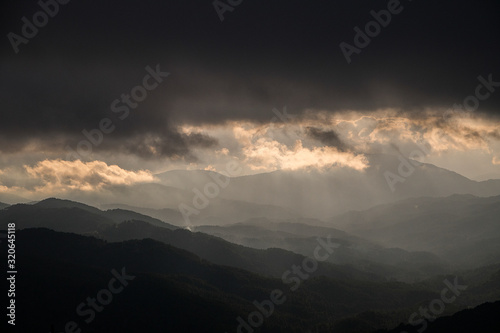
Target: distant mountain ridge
{"x": 12, "y": 199}
{"x": 117, "y": 226}
{"x": 322, "y": 194}
{"x": 282, "y": 194}
{"x": 66, "y": 215}
{"x": 463, "y": 229}
{"x": 301, "y": 238}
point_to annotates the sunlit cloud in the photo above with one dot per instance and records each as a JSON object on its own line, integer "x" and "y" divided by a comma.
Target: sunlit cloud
{"x": 271, "y": 155}
{"x": 318, "y": 138}
{"x": 275, "y": 146}
{"x": 59, "y": 175}
{"x": 314, "y": 139}
{"x": 389, "y": 128}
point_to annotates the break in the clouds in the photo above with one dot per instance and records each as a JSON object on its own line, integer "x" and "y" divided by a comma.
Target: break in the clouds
{"x": 320, "y": 139}
{"x": 317, "y": 141}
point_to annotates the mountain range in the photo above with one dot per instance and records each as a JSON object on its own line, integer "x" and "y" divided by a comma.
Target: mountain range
{"x": 320, "y": 194}
{"x": 462, "y": 229}
{"x": 386, "y": 254}
{"x": 169, "y": 286}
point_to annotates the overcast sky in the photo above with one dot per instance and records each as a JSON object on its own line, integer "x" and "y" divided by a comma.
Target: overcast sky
{"x": 226, "y": 77}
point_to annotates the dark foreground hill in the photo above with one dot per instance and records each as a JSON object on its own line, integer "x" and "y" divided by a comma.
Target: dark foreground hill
{"x": 483, "y": 319}
{"x": 270, "y": 262}
{"x": 122, "y": 225}
{"x": 66, "y": 215}
{"x": 147, "y": 286}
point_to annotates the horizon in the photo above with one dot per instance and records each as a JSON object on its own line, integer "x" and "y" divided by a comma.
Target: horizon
{"x": 158, "y": 181}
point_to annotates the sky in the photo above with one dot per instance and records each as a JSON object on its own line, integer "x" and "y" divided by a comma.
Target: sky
{"x": 116, "y": 91}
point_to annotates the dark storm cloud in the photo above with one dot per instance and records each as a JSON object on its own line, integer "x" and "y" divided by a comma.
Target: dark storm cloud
{"x": 329, "y": 138}
{"x": 263, "y": 55}
{"x": 172, "y": 144}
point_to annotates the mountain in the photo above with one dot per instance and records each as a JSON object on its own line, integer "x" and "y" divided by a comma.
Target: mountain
{"x": 3, "y": 205}
{"x": 483, "y": 318}
{"x": 174, "y": 216}
{"x": 12, "y": 198}
{"x": 198, "y": 197}
{"x": 220, "y": 211}
{"x": 69, "y": 216}
{"x": 322, "y": 194}
{"x": 463, "y": 229}
{"x": 270, "y": 262}
{"x": 61, "y": 219}
{"x": 393, "y": 263}
{"x": 165, "y": 288}
{"x": 163, "y": 202}
{"x": 120, "y": 215}
{"x": 115, "y": 215}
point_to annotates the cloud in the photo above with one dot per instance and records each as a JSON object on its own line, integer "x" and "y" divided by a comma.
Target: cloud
{"x": 275, "y": 146}
{"x": 60, "y": 176}
{"x": 173, "y": 145}
{"x": 65, "y": 79}
{"x": 317, "y": 140}
{"x": 322, "y": 138}
{"x": 271, "y": 155}
{"x": 51, "y": 109}
{"x": 329, "y": 138}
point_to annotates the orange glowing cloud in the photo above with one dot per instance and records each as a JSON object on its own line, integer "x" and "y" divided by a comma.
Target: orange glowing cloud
{"x": 59, "y": 175}
{"x": 271, "y": 155}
